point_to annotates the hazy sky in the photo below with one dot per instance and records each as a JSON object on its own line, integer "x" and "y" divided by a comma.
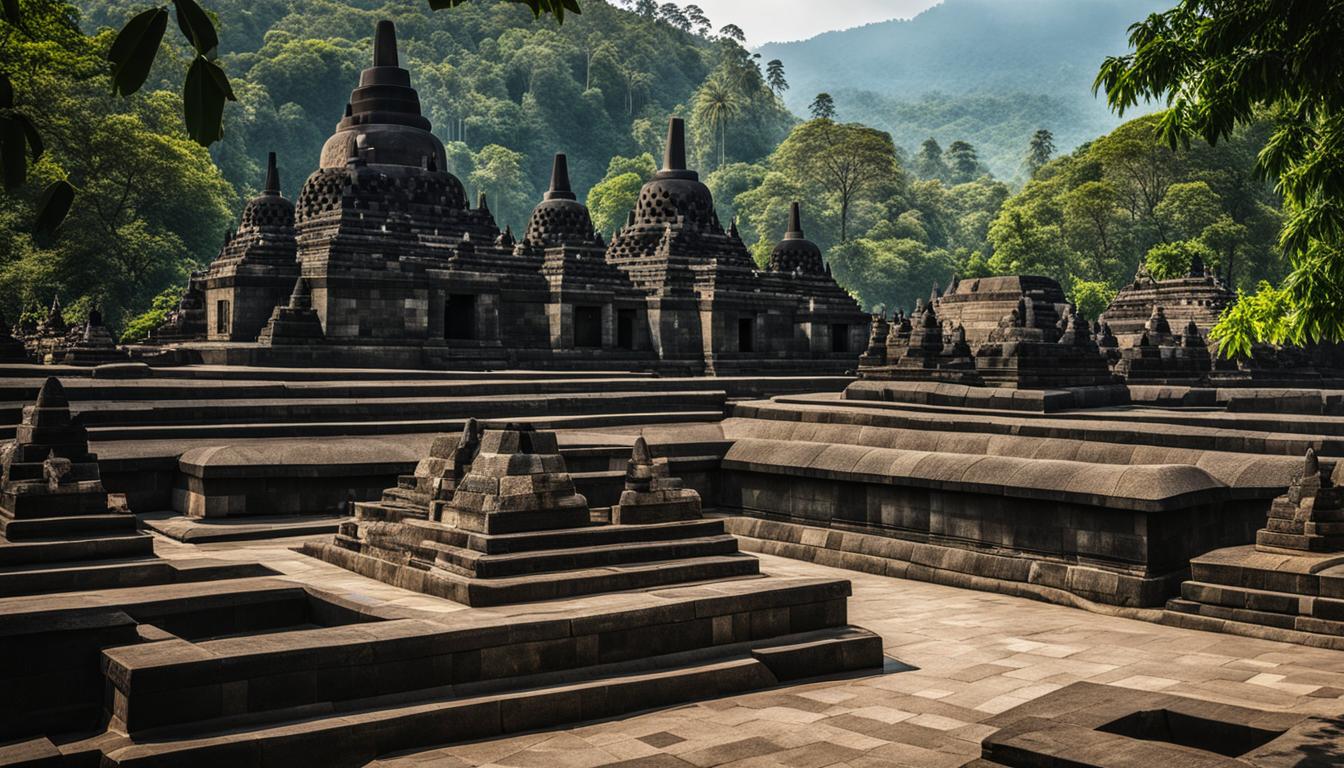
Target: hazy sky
{"x": 767, "y": 21}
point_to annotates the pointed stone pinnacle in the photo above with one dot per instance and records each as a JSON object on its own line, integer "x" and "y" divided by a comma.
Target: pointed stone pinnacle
{"x": 272, "y": 175}
{"x": 674, "y": 157}
{"x": 385, "y": 45}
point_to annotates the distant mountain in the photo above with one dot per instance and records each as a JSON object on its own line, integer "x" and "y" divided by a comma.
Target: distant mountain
{"x": 987, "y": 71}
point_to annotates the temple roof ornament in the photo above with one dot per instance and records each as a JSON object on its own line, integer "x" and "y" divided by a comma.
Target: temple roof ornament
{"x": 560, "y": 219}
{"x": 795, "y": 253}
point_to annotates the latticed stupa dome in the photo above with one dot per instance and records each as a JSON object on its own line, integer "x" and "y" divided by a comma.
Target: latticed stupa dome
{"x": 675, "y": 191}
{"x": 795, "y": 252}
{"x": 560, "y": 219}
{"x": 394, "y": 187}
{"x": 270, "y": 208}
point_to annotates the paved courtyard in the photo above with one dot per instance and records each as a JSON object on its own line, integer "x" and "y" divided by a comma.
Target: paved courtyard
{"x": 956, "y": 658}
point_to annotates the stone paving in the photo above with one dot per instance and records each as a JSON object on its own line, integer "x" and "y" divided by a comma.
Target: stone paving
{"x": 957, "y": 657}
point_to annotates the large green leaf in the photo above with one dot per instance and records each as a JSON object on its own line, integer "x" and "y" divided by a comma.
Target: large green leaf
{"x": 52, "y": 208}
{"x": 198, "y": 28}
{"x": 13, "y": 148}
{"x": 203, "y": 97}
{"x": 132, "y": 53}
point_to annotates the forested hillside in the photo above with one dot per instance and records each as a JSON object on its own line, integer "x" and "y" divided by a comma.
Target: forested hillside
{"x": 503, "y": 90}
{"x": 989, "y": 71}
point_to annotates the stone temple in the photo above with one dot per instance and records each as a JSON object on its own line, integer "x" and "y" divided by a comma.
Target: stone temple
{"x": 402, "y": 271}
{"x": 445, "y": 496}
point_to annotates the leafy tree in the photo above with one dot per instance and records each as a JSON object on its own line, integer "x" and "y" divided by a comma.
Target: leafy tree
{"x": 733, "y": 32}
{"x": 1040, "y": 150}
{"x": 716, "y": 104}
{"x": 823, "y": 107}
{"x": 1221, "y": 65}
{"x": 616, "y": 194}
{"x": 845, "y": 161}
{"x": 696, "y": 15}
{"x": 149, "y": 204}
{"x": 1187, "y": 209}
{"x": 672, "y": 14}
{"x": 1169, "y": 260}
{"x": 499, "y": 173}
{"x": 139, "y": 327}
{"x": 1091, "y": 297}
{"x": 929, "y": 163}
{"x": 962, "y": 162}
{"x": 774, "y": 76}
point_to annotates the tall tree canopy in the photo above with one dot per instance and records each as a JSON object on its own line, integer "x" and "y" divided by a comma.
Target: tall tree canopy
{"x": 1219, "y": 65}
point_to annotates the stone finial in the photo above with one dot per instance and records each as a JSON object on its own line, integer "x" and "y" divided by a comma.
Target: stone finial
{"x": 272, "y": 175}
{"x": 732, "y": 230}
{"x": 52, "y": 394}
{"x": 1192, "y": 337}
{"x": 795, "y": 230}
{"x": 481, "y": 203}
{"x": 674, "y": 156}
{"x": 1106, "y": 339}
{"x": 934, "y": 293}
{"x": 1311, "y": 465}
{"x": 302, "y": 295}
{"x": 385, "y": 45}
{"x": 1196, "y": 265}
{"x": 640, "y": 453}
{"x": 1157, "y": 321}
{"x": 505, "y": 239}
{"x": 560, "y": 189}
{"x": 352, "y": 152}
{"x": 630, "y": 218}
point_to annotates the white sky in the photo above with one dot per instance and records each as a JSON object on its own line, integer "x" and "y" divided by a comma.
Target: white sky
{"x": 767, "y": 21}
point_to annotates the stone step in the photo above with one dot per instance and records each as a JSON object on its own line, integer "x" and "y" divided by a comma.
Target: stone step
{"x": 286, "y": 428}
{"x": 562, "y": 584}
{"x": 73, "y": 550}
{"x": 300, "y": 410}
{"x": 348, "y": 738}
{"x": 823, "y": 652}
{"x": 26, "y": 529}
{"x": 470, "y": 563}
{"x": 350, "y": 730}
{"x": 591, "y": 536}
{"x": 62, "y": 577}
{"x": 1297, "y": 623}
{"x": 1264, "y": 601}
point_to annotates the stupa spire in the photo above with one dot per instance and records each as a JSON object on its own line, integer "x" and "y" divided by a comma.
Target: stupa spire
{"x": 272, "y": 175}
{"x": 560, "y": 189}
{"x": 795, "y": 230}
{"x": 674, "y": 157}
{"x": 385, "y": 45}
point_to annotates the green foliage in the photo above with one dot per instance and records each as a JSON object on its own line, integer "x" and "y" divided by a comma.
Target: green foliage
{"x": 499, "y": 174}
{"x": 886, "y": 238}
{"x": 988, "y": 72}
{"x": 145, "y": 202}
{"x": 1039, "y": 151}
{"x": 487, "y": 73}
{"x": 612, "y": 198}
{"x": 1169, "y": 260}
{"x": 1225, "y": 65}
{"x": 1091, "y": 297}
{"x": 1261, "y": 316}
{"x": 846, "y": 163}
{"x": 822, "y": 107}
{"x": 138, "y": 327}
{"x": 1095, "y": 214}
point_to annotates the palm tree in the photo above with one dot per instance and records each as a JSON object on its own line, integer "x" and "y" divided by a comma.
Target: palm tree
{"x": 716, "y": 104}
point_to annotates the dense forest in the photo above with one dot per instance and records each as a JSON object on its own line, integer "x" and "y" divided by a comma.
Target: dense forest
{"x": 986, "y": 71}
{"x": 895, "y": 214}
